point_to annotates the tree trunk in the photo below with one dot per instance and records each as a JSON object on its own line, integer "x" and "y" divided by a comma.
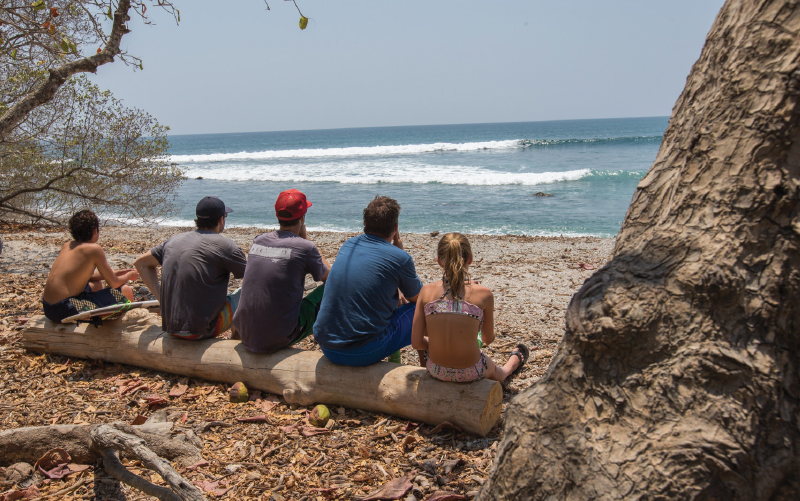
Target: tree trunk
{"x": 301, "y": 376}
{"x": 677, "y": 377}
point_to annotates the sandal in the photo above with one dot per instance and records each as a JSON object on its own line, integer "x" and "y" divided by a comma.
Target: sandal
{"x": 522, "y": 353}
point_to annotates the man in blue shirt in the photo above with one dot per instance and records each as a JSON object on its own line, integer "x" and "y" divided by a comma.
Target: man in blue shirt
{"x": 359, "y": 322}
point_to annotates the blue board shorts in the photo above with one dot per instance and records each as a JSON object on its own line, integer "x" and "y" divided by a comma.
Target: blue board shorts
{"x": 85, "y": 301}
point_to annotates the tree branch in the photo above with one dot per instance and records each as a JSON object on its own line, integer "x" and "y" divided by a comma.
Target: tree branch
{"x": 116, "y": 469}
{"x": 45, "y": 92}
{"x": 108, "y": 437}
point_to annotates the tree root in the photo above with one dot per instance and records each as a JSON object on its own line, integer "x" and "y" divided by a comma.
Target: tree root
{"x": 87, "y": 443}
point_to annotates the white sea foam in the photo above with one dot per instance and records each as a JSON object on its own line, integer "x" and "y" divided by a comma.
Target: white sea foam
{"x": 385, "y": 172}
{"x": 354, "y": 151}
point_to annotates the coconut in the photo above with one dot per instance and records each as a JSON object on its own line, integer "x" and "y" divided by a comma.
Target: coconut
{"x": 319, "y": 416}
{"x": 238, "y": 393}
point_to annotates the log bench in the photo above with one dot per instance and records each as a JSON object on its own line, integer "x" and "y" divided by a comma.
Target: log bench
{"x": 300, "y": 376}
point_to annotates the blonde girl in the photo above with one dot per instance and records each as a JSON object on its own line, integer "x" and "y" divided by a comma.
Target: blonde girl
{"x": 450, "y": 315}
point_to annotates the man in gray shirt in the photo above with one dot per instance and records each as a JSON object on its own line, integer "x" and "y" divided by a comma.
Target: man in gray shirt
{"x": 195, "y": 269}
{"x": 272, "y": 312}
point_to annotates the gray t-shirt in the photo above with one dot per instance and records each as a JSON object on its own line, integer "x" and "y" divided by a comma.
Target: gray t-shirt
{"x": 195, "y": 268}
{"x": 267, "y": 316}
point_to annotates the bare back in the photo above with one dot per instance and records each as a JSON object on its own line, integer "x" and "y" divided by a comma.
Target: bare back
{"x": 72, "y": 270}
{"x": 452, "y": 337}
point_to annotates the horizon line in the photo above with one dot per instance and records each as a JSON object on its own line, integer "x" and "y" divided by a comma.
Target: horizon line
{"x": 413, "y": 125}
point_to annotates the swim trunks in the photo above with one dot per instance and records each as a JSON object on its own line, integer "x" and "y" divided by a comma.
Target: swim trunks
{"x": 85, "y": 301}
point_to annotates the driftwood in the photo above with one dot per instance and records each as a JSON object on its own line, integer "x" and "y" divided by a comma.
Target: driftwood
{"x": 300, "y": 376}
{"x": 87, "y": 443}
{"x": 111, "y": 439}
{"x": 28, "y": 444}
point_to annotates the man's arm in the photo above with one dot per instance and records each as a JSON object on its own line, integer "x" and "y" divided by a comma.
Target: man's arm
{"x": 112, "y": 278}
{"x": 147, "y": 264}
{"x": 327, "y": 265}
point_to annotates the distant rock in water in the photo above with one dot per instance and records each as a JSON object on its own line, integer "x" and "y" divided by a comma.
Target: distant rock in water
{"x": 542, "y": 194}
{"x": 201, "y": 177}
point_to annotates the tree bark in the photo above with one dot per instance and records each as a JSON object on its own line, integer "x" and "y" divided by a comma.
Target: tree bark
{"x": 301, "y": 376}
{"x": 27, "y": 445}
{"x": 677, "y": 377}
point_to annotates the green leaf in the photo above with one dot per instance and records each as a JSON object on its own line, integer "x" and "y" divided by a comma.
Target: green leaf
{"x": 140, "y": 66}
{"x": 64, "y": 45}
{"x": 109, "y": 14}
{"x": 179, "y": 14}
{"x": 38, "y": 5}
{"x": 14, "y": 54}
{"x": 303, "y": 22}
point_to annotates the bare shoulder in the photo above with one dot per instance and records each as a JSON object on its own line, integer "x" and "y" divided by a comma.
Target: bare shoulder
{"x": 430, "y": 292}
{"x": 480, "y": 295}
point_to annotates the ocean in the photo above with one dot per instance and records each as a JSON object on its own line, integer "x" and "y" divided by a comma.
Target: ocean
{"x": 474, "y": 178}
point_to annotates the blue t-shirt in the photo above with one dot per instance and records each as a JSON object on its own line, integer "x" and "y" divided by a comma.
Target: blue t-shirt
{"x": 361, "y": 292}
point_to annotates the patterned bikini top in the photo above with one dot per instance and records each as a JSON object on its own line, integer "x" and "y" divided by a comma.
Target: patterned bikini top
{"x": 457, "y": 306}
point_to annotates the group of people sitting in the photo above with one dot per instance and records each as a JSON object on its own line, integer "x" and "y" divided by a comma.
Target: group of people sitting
{"x": 364, "y": 311}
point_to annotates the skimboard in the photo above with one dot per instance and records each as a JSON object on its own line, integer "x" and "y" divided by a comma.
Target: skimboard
{"x": 97, "y": 316}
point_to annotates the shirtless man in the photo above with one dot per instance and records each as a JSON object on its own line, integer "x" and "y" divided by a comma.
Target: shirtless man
{"x": 74, "y": 283}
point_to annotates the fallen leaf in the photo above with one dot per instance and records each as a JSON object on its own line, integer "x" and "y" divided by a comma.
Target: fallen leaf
{"x": 254, "y": 419}
{"x": 445, "y": 496}
{"x": 178, "y": 390}
{"x": 211, "y": 487}
{"x": 393, "y": 489}
{"x": 288, "y": 429}
{"x": 155, "y": 400}
{"x": 448, "y": 466}
{"x": 53, "y": 458}
{"x": 310, "y": 431}
{"x": 406, "y": 444}
{"x": 266, "y": 405}
{"x": 58, "y": 472}
{"x": 198, "y": 465}
{"x": 410, "y": 426}
{"x": 138, "y": 420}
{"x": 586, "y": 266}
{"x": 447, "y": 425}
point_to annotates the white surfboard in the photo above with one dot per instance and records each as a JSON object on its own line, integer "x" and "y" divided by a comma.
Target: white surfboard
{"x": 110, "y": 312}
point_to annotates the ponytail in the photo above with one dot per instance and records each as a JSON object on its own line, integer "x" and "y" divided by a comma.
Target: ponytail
{"x": 455, "y": 252}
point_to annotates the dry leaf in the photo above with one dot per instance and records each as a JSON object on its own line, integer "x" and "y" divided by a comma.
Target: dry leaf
{"x": 255, "y": 419}
{"x": 178, "y": 390}
{"x": 445, "y": 496}
{"x": 155, "y": 400}
{"x": 53, "y": 458}
{"x": 310, "y": 431}
{"x": 212, "y": 487}
{"x": 445, "y": 426}
{"x": 138, "y": 420}
{"x": 406, "y": 444}
{"x": 394, "y": 489}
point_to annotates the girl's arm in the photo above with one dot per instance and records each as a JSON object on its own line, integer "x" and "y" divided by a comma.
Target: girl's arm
{"x": 487, "y": 331}
{"x": 419, "y": 340}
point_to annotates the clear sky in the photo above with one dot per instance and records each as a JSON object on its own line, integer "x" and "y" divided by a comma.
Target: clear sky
{"x": 233, "y": 66}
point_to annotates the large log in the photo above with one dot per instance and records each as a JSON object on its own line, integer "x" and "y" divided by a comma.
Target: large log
{"x": 301, "y": 376}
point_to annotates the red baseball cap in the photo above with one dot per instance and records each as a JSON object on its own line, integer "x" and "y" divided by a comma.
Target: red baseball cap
{"x": 292, "y": 201}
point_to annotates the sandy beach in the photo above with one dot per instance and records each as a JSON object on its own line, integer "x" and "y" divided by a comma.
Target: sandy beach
{"x": 533, "y": 279}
